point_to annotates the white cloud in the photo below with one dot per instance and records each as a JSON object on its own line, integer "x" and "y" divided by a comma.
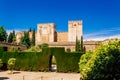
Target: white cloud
{"x": 16, "y": 30}
{"x": 102, "y": 35}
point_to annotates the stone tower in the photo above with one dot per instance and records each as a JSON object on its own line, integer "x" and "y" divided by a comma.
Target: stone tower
{"x": 45, "y": 33}
{"x": 74, "y": 30}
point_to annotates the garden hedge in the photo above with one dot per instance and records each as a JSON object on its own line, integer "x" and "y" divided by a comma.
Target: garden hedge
{"x": 66, "y": 61}
{"x": 41, "y": 61}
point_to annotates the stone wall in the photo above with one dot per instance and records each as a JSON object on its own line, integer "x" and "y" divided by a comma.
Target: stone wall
{"x": 62, "y": 36}
{"x": 89, "y": 45}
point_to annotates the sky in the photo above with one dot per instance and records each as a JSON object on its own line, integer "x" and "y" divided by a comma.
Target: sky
{"x": 101, "y": 18}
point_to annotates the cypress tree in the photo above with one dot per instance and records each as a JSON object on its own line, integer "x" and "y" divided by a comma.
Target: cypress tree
{"x": 14, "y": 37}
{"x": 33, "y": 38}
{"x": 3, "y": 34}
{"x": 79, "y": 45}
{"x": 25, "y": 39}
{"x": 10, "y": 37}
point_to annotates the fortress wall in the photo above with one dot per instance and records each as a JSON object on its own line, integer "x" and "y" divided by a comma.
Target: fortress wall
{"x": 62, "y": 36}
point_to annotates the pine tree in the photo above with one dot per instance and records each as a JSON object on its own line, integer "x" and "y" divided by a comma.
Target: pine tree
{"x": 14, "y": 37}
{"x": 25, "y": 39}
{"x": 10, "y": 37}
{"x": 30, "y": 30}
{"x": 3, "y": 34}
{"x": 33, "y": 38}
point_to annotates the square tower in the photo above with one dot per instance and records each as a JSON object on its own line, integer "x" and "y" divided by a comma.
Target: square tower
{"x": 74, "y": 30}
{"x": 45, "y": 33}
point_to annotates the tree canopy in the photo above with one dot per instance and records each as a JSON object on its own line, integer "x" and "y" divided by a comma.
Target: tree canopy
{"x": 3, "y": 34}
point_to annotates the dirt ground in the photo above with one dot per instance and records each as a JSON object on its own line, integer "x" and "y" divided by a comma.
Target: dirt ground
{"x": 22, "y": 75}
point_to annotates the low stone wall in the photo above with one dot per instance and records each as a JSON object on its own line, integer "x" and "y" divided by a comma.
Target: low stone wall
{"x": 89, "y": 45}
{"x": 22, "y": 47}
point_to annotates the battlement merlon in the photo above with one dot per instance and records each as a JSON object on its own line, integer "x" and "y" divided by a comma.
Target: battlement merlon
{"x": 47, "y": 24}
{"x": 75, "y": 21}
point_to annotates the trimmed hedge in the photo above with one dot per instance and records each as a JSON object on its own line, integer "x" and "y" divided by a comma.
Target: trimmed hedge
{"x": 41, "y": 61}
{"x": 66, "y": 61}
{"x": 28, "y": 61}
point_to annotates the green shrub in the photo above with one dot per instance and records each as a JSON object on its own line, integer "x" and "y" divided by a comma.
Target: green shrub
{"x": 44, "y": 45}
{"x": 11, "y": 63}
{"x": 14, "y": 49}
{"x": 34, "y": 49}
{"x": 103, "y": 64}
{"x": 1, "y": 63}
{"x": 2, "y": 48}
{"x": 68, "y": 50}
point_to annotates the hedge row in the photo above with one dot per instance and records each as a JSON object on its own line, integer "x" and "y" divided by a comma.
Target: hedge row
{"x": 66, "y": 61}
{"x": 27, "y": 61}
{"x": 41, "y": 61}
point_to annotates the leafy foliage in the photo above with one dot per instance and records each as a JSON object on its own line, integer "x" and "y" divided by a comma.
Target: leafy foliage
{"x": 44, "y": 45}
{"x": 11, "y": 63}
{"x": 10, "y": 38}
{"x": 33, "y": 38}
{"x": 25, "y": 39}
{"x": 14, "y": 49}
{"x": 41, "y": 61}
{"x": 3, "y": 34}
{"x": 79, "y": 45}
{"x": 34, "y": 49}
{"x": 103, "y": 64}
{"x": 2, "y": 48}
{"x": 1, "y": 63}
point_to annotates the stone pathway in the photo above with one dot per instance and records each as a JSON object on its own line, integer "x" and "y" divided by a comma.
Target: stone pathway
{"x": 22, "y": 75}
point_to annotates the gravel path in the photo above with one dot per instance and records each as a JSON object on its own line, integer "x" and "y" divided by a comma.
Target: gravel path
{"x": 22, "y": 75}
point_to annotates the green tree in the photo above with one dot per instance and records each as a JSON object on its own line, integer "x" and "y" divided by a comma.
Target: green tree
{"x": 11, "y": 63}
{"x": 1, "y": 63}
{"x": 14, "y": 37}
{"x": 25, "y": 39}
{"x": 33, "y": 38}
{"x": 3, "y": 34}
{"x": 103, "y": 63}
{"x": 79, "y": 45}
{"x": 10, "y": 37}
{"x": 30, "y": 30}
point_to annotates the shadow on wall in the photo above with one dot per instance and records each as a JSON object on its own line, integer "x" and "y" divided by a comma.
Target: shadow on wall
{"x": 3, "y": 78}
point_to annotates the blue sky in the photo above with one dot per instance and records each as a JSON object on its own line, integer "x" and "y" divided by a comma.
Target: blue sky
{"x": 101, "y": 18}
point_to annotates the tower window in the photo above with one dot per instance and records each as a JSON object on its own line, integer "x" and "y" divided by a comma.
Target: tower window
{"x": 74, "y": 24}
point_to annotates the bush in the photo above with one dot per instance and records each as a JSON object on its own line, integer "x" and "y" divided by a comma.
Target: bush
{"x": 34, "y": 49}
{"x": 44, "y": 45}
{"x": 1, "y": 63}
{"x": 14, "y": 49}
{"x": 2, "y": 48}
{"x": 11, "y": 63}
{"x": 103, "y": 64}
